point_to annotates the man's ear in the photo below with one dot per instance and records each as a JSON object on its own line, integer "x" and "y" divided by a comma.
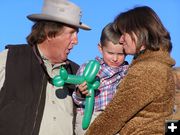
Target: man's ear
{"x": 49, "y": 38}
{"x": 100, "y": 47}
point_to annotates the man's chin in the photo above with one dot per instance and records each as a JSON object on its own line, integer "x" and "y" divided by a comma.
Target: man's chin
{"x": 61, "y": 60}
{"x": 65, "y": 58}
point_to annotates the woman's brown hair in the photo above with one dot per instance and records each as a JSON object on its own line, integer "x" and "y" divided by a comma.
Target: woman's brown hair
{"x": 147, "y": 26}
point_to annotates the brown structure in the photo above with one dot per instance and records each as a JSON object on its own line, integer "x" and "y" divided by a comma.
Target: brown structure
{"x": 177, "y": 94}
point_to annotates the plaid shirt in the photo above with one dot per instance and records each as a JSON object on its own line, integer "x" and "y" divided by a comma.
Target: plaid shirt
{"x": 109, "y": 79}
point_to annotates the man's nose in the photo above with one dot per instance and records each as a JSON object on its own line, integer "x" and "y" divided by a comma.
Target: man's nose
{"x": 75, "y": 39}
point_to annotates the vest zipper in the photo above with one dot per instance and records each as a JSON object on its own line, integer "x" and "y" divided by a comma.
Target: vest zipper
{"x": 35, "y": 120}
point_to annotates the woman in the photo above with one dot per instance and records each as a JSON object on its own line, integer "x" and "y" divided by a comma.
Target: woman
{"x": 144, "y": 99}
{"x": 176, "y": 115}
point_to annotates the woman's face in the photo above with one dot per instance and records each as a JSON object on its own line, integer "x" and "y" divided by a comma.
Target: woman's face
{"x": 128, "y": 43}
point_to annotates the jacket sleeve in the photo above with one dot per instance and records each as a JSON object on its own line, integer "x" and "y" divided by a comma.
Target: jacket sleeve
{"x": 136, "y": 90}
{"x": 3, "y": 57}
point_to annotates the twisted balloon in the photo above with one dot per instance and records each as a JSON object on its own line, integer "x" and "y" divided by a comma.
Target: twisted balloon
{"x": 89, "y": 75}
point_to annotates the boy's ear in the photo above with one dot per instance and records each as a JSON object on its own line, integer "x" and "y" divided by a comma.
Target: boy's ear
{"x": 100, "y": 47}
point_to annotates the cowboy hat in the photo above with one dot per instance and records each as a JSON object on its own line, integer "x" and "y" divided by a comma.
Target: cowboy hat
{"x": 62, "y": 11}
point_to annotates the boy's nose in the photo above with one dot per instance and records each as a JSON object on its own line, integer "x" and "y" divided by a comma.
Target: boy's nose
{"x": 115, "y": 58}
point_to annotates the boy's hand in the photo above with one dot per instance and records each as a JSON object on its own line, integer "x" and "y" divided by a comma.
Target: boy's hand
{"x": 83, "y": 89}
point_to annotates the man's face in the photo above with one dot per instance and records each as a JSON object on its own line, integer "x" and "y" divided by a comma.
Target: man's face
{"x": 60, "y": 46}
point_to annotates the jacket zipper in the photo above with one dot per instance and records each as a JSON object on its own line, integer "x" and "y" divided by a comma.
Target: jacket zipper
{"x": 35, "y": 120}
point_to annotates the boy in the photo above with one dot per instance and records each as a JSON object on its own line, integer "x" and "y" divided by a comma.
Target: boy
{"x": 112, "y": 70}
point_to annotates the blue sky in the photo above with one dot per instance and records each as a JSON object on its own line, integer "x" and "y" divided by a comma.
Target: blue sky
{"x": 96, "y": 13}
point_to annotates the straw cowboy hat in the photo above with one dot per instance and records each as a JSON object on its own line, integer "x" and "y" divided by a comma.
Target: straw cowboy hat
{"x": 62, "y": 11}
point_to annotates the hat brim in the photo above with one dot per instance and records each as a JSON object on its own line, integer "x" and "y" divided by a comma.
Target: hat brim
{"x": 38, "y": 17}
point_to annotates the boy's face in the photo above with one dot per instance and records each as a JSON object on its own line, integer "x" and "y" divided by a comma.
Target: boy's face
{"x": 113, "y": 54}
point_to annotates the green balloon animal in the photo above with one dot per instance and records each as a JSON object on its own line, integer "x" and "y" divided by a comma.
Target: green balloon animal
{"x": 89, "y": 75}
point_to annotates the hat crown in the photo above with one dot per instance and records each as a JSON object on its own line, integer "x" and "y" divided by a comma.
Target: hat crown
{"x": 62, "y": 9}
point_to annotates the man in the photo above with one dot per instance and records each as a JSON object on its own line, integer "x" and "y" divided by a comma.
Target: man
{"x": 29, "y": 103}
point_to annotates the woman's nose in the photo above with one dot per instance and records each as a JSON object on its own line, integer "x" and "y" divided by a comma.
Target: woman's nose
{"x": 121, "y": 40}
